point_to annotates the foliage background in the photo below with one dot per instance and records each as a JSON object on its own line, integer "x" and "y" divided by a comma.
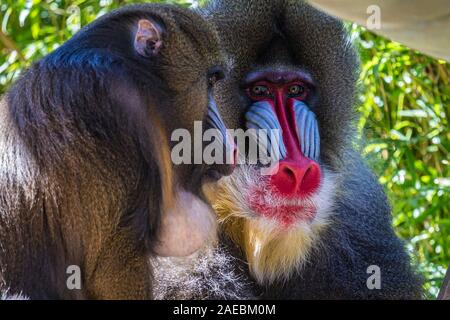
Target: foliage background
{"x": 404, "y": 102}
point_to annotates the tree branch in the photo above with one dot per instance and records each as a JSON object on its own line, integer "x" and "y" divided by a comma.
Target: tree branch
{"x": 10, "y": 44}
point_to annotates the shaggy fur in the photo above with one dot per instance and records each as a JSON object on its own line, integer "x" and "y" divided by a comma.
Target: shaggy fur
{"x": 358, "y": 232}
{"x": 213, "y": 273}
{"x": 273, "y": 251}
{"x": 6, "y": 296}
{"x": 85, "y": 168}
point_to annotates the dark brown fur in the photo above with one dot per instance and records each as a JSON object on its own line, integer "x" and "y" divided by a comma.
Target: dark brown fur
{"x": 84, "y": 146}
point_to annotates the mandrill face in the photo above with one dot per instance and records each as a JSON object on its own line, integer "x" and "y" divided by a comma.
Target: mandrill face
{"x": 276, "y": 219}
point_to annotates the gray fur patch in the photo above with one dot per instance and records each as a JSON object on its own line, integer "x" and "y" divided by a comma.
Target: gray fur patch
{"x": 208, "y": 274}
{"x": 6, "y": 296}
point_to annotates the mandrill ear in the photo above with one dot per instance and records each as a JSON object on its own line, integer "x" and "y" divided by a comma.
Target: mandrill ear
{"x": 148, "y": 38}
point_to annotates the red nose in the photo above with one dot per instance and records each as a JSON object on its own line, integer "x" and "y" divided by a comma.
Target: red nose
{"x": 297, "y": 178}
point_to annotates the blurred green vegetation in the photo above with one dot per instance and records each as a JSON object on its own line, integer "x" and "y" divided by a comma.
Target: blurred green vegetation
{"x": 404, "y": 102}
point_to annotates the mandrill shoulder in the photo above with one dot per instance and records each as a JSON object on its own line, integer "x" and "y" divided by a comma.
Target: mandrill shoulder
{"x": 362, "y": 235}
{"x": 360, "y": 190}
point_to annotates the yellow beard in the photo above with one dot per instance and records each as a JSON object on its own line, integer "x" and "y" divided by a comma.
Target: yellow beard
{"x": 273, "y": 251}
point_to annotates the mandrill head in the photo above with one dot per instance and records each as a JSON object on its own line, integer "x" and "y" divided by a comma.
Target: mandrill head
{"x": 296, "y": 75}
{"x": 276, "y": 215}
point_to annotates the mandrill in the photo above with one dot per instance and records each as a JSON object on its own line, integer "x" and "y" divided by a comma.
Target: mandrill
{"x": 86, "y": 175}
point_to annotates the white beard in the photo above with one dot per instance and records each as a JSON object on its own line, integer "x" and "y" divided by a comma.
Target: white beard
{"x": 274, "y": 251}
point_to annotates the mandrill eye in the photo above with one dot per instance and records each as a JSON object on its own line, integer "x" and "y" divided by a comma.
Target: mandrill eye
{"x": 214, "y": 75}
{"x": 296, "y": 90}
{"x": 260, "y": 91}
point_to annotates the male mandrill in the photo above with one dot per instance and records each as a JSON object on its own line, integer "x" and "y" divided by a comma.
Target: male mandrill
{"x": 86, "y": 176}
{"x": 317, "y": 227}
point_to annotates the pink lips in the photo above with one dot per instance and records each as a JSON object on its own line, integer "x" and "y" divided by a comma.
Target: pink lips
{"x": 285, "y": 214}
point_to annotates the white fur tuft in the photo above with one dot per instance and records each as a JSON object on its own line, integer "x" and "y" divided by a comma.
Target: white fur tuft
{"x": 7, "y": 296}
{"x": 207, "y": 274}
